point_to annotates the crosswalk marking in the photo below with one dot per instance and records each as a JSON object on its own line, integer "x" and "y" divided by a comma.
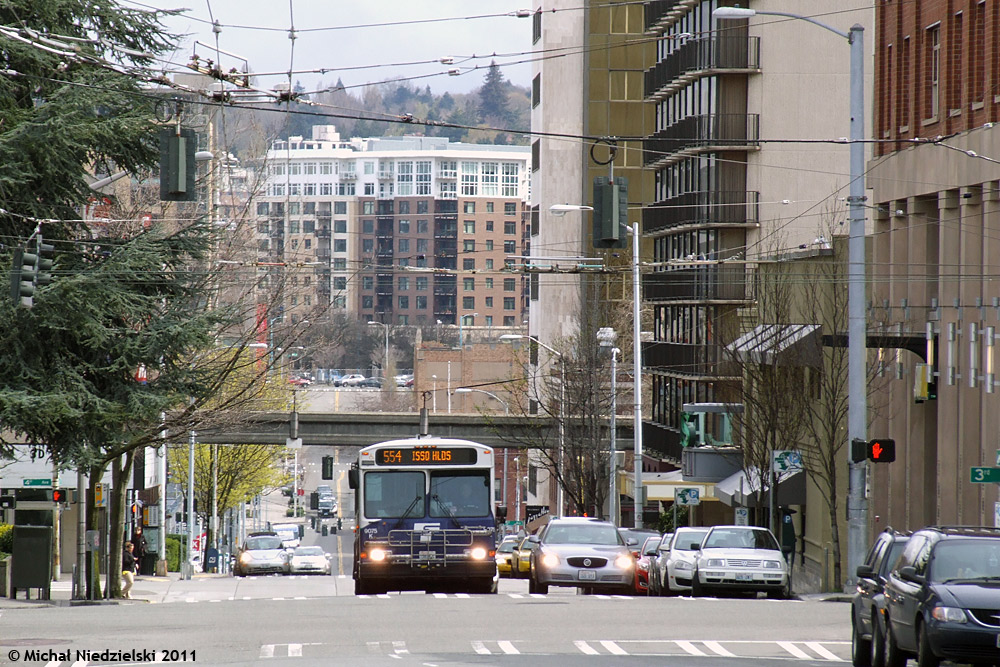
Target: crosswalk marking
{"x": 822, "y": 652}
{"x": 717, "y": 648}
{"x": 295, "y": 650}
{"x": 516, "y": 596}
{"x": 613, "y": 648}
{"x": 586, "y": 648}
{"x": 508, "y": 648}
{"x": 690, "y": 648}
{"x": 480, "y": 648}
{"x": 267, "y": 651}
{"x": 400, "y": 647}
{"x": 795, "y": 650}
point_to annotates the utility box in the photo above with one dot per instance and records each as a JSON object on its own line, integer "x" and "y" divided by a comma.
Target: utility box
{"x": 31, "y": 561}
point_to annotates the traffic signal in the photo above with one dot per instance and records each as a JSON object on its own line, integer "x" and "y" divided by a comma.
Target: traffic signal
{"x": 327, "y": 467}
{"x": 882, "y": 450}
{"x": 314, "y": 500}
{"x": 44, "y": 251}
{"x": 177, "y": 164}
{"x": 22, "y": 277}
{"x": 610, "y": 212}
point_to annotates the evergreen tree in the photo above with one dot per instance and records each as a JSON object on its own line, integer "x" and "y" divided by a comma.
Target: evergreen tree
{"x": 494, "y": 105}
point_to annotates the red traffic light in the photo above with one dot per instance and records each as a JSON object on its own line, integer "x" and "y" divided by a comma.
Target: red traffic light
{"x": 58, "y": 496}
{"x": 882, "y": 450}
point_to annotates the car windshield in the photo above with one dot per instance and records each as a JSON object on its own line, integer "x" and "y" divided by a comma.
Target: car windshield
{"x": 263, "y": 542}
{"x": 966, "y": 558}
{"x": 582, "y": 534}
{"x": 649, "y": 548}
{"x": 505, "y": 547}
{"x": 459, "y": 494}
{"x": 685, "y": 538}
{"x": 309, "y": 551}
{"x": 740, "y": 538}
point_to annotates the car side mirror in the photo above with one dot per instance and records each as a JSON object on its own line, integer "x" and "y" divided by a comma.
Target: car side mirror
{"x": 865, "y": 572}
{"x": 631, "y": 541}
{"x": 695, "y": 546}
{"x": 909, "y": 573}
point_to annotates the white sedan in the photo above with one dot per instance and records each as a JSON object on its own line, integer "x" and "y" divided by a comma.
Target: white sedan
{"x": 740, "y": 558}
{"x": 309, "y": 560}
{"x": 677, "y": 566}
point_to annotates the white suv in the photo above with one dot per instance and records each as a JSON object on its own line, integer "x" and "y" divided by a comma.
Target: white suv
{"x": 352, "y": 380}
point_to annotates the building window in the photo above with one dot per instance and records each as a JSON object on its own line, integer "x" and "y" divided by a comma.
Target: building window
{"x": 421, "y": 245}
{"x": 508, "y": 302}
{"x": 469, "y": 226}
{"x": 536, "y": 154}
{"x": 469, "y": 264}
{"x": 293, "y": 208}
{"x": 368, "y": 208}
{"x": 510, "y": 208}
{"x": 489, "y": 207}
{"x": 326, "y": 167}
{"x": 368, "y": 226}
{"x": 933, "y": 86}
{"x": 536, "y": 26}
{"x": 510, "y": 179}
{"x": 340, "y": 283}
{"x": 489, "y": 265}
{"x": 339, "y": 263}
{"x": 979, "y": 55}
{"x": 325, "y": 189}
{"x": 262, "y": 208}
{"x": 489, "y": 302}
{"x": 403, "y": 283}
{"x": 957, "y": 77}
{"x": 404, "y": 178}
{"x": 367, "y": 302}
{"x": 469, "y": 245}
{"x": 404, "y": 225}
{"x": 469, "y": 284}
{"x": 421, "y": 284}
{"x": 367, "y": 282}
{"x": 422, "y": 206}
{"x": 509, "y": 284}
{"x": 404, "y": 245}
{"x": 421, "y": 302}
{"x": 293, "y": 226}
{"x": 508, "y": 320}
{"x": 536, "y": 90}
{"x": 423, "y": 180}
{"x": 490, "y": 183}
{"x": 422, "y": 227}
{"x": 403, "y": 301}
{"x": 309, "y": 244}
{"x": 509, "y": 227}
{"x": 404, "y": 207}
{"x": 468, "y": 207}
{"x": 368, "y": 246}
{"x": 468, "y": 302}
{"x": 489, "y": 244}
{"x": 509, "y": 247}
{"x": 340, "y": 245}
{"x": 470, "y": 179}
{"x": 489, "y": 283}
{"x": 340, "y": 226}
{"x": 369, "y": 167}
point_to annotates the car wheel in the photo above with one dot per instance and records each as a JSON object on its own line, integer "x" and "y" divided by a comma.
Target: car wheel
{"x": 541, "y": 589}
{"x": 925, "y": 656}
{"x": 877, "y": 644}
{"x": 782, "y": 594}
{"x": 697, "y": 590}
{"x": 894, "y": 657}
{"x": 861, "y": 648}
{"x": 531, "y": 586}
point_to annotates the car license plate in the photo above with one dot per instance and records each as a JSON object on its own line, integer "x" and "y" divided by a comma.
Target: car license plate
{"x": 426, "y": 555}
{"x": 588, "y": 575}
{"x": 744, "y": 576}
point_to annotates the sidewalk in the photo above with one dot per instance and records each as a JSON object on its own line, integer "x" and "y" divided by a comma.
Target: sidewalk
{"x": 147, "y": 589}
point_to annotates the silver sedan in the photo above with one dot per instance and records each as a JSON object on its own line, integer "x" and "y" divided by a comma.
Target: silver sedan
{"x": 581, "y": 552}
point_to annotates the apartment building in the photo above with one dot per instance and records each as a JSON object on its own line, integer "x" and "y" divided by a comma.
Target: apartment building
{"x": 935, "y": 255}
{"x": 402, "y": 230}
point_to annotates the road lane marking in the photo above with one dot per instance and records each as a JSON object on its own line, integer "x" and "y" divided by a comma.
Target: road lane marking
{"x": 586, "y": 648}
{"x": 480, "y": 648}
{"x": 400, "y": 647}
{"x": 444, "y": 595}
{"x": 795, "y": 650}
{"x": 267, "y": 651}
{"x": 295, "y": 650}
{"x": 516, "y": 596}
{"x": 508, "y": 648}
{"x": 464, "y": 595}
{"x": 613, "y": 648}
{"x": 718, "y": 649}
{"x": 374, "y": 647}
{"x": 822, "y": 652}
{"x": 690, "y": 648}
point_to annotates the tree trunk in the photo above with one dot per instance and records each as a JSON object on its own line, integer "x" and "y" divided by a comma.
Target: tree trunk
{"x": 833, "y": 504}
{"x": 121, "y": 468}
{"x": 95, "y": 474}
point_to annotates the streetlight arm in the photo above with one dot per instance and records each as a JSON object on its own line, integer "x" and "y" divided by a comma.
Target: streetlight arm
{"x": 740, "y": 13}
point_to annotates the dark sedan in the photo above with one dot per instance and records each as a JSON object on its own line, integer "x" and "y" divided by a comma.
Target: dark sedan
{"x": 868, "y": 603}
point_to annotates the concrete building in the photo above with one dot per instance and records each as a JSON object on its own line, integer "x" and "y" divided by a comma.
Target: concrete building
{"x": 935, "y": 256}
{"x": 400, "y": 230}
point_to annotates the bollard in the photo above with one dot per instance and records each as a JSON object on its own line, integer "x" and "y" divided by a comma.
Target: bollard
{"x": 324, "y": 530}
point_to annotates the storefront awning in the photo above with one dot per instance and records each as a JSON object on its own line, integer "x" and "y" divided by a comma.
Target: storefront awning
{"x": 781, "y": 345}
{"x": 740, "y": 489}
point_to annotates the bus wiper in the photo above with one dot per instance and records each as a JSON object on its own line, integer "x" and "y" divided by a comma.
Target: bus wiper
{"x": 406, "y": 512}
{"x": 451, "y": 514}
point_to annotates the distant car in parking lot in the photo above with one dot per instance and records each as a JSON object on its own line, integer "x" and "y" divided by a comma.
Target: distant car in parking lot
{"x": 350, "y": 380}
{"x": 300, "y": 381}
{"x": 401, "y": 380}
{"x": 942, "y": 598}
{"x": 868, "y": 603}
{"x": 371, "y": 383}
{"x": 740, "y": 559}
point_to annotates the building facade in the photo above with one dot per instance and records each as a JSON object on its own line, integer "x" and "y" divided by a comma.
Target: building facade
{"x": 935, "y": 256}
{"x": 400, "y": 230}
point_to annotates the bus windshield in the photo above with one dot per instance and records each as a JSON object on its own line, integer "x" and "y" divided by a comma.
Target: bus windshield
{"x": 459, "y": 494}
{"x": 394, "y": 495}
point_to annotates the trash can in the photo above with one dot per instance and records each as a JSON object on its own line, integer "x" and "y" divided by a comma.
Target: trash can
{"x": 324, "y": 530}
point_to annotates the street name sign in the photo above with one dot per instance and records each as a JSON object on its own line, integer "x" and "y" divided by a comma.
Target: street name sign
{"x": 47, "y": 481}
{"x": 984, "y": 475}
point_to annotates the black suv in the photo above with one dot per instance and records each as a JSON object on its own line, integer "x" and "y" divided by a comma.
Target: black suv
{"x": 868, "y": 603}
{"x": 943, "y": 598}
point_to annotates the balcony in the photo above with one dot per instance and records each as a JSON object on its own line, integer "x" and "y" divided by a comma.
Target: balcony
{"x": 701, "y": 284}
{"x": 705, "y": 208}
{"x": 659, "y": 14}
{"x": 348, "y": 175}
{"x": 702, "y": 57}
{"x": 691, "y": 360}
{"x": 323, "y": 233}
{"x": 386, "y": 175}
{"x": 701, "y": 134}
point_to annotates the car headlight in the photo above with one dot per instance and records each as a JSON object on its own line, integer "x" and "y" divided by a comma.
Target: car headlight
{"x": 550, "y": 560}
{"x": 772, "y": 565}
{"x": 624, "y": 561}
{"x": 377, "y": 555}
{"x": 716, "y": 562}
{"x": 682, "y": 565}
{"x": 245, "y": 557}
{"x": 642, "y": 565}
{"x": 948, "y": 614}
{"x": 478, "y": 553}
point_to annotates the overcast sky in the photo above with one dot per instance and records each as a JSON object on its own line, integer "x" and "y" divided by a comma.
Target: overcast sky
{"x": 336, "y": 50}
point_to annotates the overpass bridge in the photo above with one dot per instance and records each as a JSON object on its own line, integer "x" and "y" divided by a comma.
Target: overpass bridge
{"x": 361, "y": 429}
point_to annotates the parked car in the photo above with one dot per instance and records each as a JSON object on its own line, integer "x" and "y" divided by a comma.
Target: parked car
{"x": 655, "y": 579}
{"x": 504, "y": 556}
{"x": 401, "y": 380}
{"x": 868, "y": 603}
{"x": 371, "y": 383}
{"x": 646, "y": 554}
{"x": 309, "y": 560}
{"x": 582, "y": 552}
{"x": 350, "y": 380}
{"x": 261, "y": 553}
{"x": 300, "y": 381}
{"x": 521, "y": 557}
{"x": 942, "y": 598}
{"x": 677, "y": 568}
{"x": 740, "y": 559}
{"x": 635, "y": 537}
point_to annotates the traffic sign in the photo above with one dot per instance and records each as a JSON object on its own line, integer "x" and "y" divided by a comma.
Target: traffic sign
{"x": 742, "y": 516}
{"x": 47, "y": 481}
{"x": 515, "y": 523}
{"x": 688, "y": 496}
{"x": 786, "y": 460}
{"x": 984, "y": 475}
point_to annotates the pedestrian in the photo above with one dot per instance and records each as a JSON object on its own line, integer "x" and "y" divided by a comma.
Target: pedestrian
{"x": 139, "y": 543}
{"x": 128, "y": 571}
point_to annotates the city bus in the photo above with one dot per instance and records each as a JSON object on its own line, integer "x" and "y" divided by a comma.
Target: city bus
{"x": 425, "y": 518}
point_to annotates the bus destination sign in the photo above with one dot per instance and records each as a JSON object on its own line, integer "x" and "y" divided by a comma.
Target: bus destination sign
{"x": 425, "y": 456}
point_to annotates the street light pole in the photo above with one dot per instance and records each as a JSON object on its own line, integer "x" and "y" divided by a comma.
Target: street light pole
{"x": 857, "y": 399}
{"x": 469, "y": 390}
{"x": 640, "y": 495}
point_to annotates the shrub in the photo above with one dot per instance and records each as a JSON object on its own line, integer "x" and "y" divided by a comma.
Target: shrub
{"x": 6, "y": 538}
{"x": 174, "y": 551}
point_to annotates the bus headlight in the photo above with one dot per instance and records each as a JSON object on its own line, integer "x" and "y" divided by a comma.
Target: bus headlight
{"x": 478, "y": 553}
{"x": 377, "y": 555}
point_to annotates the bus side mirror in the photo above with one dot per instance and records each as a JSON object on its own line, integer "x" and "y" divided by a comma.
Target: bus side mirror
{"x": 501, "y": 513}
{"x": 352, "y": 478}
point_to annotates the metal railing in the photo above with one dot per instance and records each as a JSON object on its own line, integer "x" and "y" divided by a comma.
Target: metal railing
{"x": 700, "y": 57}
{"x": 694, "y": 134}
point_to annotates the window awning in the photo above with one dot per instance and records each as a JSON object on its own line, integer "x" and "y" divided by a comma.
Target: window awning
{"x": 740, "y": 489}
{"x": 780, "y": 345}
